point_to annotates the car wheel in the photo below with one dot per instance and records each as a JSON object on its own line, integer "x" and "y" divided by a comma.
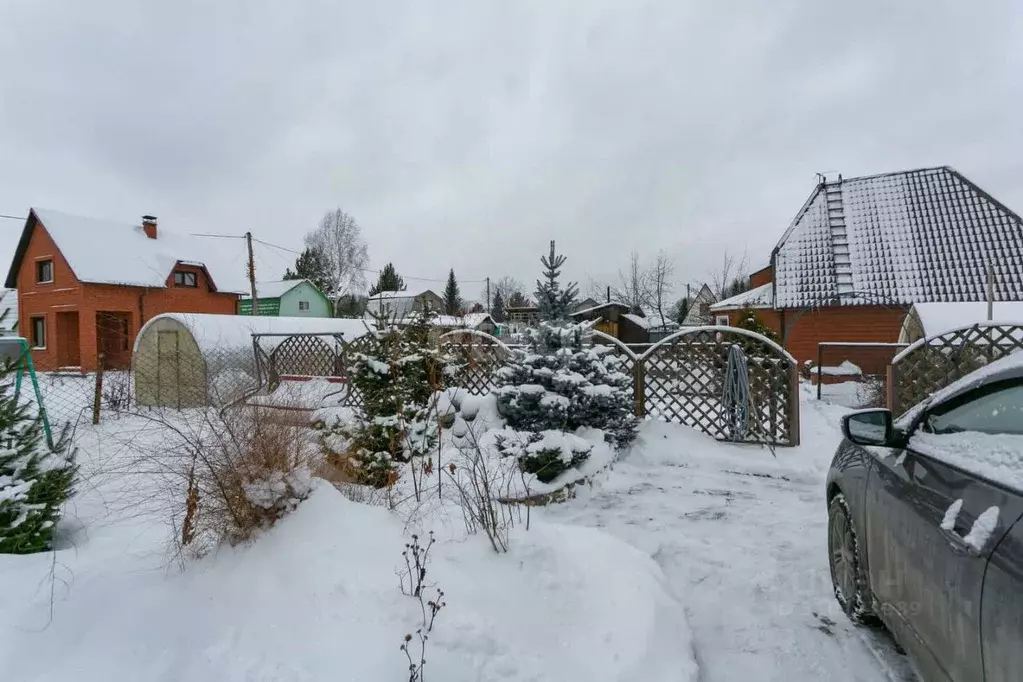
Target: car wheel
{"x": 847, "y": 574}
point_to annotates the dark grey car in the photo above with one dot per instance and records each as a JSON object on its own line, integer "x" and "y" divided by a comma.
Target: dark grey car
{"x": 932, "y": 545}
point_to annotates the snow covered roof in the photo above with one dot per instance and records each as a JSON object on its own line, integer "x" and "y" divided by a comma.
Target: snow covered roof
{"x": 110, "y": 252}
{"x": 276, "y": 289}
{"x": 914, "y": 236}
{"x": 601, "y": 306}
{"x": 759, "y": 297}
{"x": 469, "y": 321}
{"x": 219, "y": 332}
{"x": 385, "y": 295}
{"x": 937, "y": 318}
{"x": 641, "y": 322}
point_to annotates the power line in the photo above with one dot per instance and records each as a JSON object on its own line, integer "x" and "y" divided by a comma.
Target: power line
{"x": 11, "y": 217}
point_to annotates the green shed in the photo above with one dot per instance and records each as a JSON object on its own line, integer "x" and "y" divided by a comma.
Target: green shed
{"x": 288, "y": 298}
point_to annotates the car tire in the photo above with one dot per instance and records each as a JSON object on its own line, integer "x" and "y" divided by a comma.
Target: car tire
{"x": 847, "y": 575}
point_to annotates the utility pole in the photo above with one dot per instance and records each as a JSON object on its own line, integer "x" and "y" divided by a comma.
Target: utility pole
{"x": 990, "y": 293}
{"x": 488, "y": 295}
{"x": 252, "y": 275}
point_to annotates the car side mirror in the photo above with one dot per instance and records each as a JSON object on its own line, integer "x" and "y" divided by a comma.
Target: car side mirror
{"x": 868, "y": 427}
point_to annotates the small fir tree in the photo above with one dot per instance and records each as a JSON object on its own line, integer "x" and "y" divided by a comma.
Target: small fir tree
{"x": 389, "y": 280}
{"x": 452, "y": 297}
{"x": 560, "y": 383}
{"x": 497, "y": 308}
{"x": 396, "y": 374}
{"x": 35, "y": 481}
{"x": 749, "y": 320}
{"x": 554, "y": 301}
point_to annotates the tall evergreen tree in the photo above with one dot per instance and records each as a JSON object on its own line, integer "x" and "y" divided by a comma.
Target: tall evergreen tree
{"x": 389, "y": 280}
{"x": 452, "y": 297}
{"x": 497, "y": 308}
{"x": 518, "y": 300}
{"x": 554, "y": 301}
{"x": 313, "y": 265}
{"x": 34, "y": 481}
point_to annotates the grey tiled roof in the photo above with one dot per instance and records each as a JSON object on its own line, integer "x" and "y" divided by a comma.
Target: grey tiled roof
{"x": 916, "y": 236}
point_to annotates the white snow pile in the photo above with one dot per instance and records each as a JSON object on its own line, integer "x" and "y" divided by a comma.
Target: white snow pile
{"x": 846, "y": 369}
{"x": 951, "y": 514}
{"x": 997, "y": 458}
{"x": 316, "y": 597}
{"x": 982, "y": 529}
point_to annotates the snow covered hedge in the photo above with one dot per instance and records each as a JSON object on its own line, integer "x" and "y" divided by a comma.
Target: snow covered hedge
{"x": 560, "y": 383}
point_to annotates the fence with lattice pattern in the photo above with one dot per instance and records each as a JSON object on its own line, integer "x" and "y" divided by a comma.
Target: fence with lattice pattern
{"x": 932, "y": 364}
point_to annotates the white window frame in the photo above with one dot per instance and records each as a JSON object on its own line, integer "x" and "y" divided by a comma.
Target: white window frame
{"x": 32, "y": 327}
{"x": 39, "y": 262}
{"x": 303, "y": 305}
{"x": 721, "y": 320}
{"x": 185, "y": 274}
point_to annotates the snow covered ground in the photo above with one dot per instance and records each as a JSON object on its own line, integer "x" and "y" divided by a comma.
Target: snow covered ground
{"x": 742, "y": 537}
{"x": 688, "y": 551}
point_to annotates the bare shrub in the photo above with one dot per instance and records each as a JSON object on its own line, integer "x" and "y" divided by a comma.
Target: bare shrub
{"x": 874, "y": 392}
{"x": 412, "y": 582}
{"x": 230, "y": 475}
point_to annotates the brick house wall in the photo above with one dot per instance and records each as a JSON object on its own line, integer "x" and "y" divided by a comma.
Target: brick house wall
{"x": 59, "y": 301}
{"x": 761, "y": 277}
{"x": 847, "y": 323}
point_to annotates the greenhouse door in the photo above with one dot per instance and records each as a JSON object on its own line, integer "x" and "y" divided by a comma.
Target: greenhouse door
{"x": 168, "y": 370}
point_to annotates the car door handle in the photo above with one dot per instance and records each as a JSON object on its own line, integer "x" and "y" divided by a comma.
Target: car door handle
{"x": 959, "y": 544}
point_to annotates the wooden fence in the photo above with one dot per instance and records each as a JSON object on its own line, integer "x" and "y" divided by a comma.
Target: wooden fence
{"x": 928, "y": 365}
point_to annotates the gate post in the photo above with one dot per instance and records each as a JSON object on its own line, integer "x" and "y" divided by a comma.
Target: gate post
{"x": 794, "y": 404}
{"x": 639, "y": 387}
{"x": 890, "y": 393}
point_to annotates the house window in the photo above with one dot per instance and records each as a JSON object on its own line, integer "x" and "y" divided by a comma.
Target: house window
{"x": 44, "y": 271}
{"x": 183, "y": 278}
{"x": 721, "y": 320}
{"x": 303, "y": 305}
{"x": 39, "y": 332}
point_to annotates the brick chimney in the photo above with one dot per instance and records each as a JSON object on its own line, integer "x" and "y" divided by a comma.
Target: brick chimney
{"x": 149, "y": 226}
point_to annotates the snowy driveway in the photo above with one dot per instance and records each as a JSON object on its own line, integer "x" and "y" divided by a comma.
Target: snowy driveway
{"x": 742, "y": 538}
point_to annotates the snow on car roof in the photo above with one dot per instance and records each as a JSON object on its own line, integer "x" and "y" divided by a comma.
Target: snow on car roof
{"x": 920, "y": 235}
{"x": 111, "y": 252}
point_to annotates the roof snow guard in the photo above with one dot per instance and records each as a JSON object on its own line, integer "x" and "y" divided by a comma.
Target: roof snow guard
{"x": 924, "y": 235}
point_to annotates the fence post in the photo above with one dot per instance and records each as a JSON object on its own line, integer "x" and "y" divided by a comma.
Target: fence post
{"x": 820, "y": 360}
{"x": 639, "y": 387}
{"x": 794, "y": 405}
{"x": 97, "y": 398}
{"x": 890, "y": 393}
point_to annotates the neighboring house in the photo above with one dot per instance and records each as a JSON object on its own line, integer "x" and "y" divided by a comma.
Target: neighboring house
{"x": 617, "y": 320}
{"x": 862, "y": 251}
{"x": 9, "y": 312}
{"x": 86, "y": 286}
{"x": 932, "y": 319}
{"x": 699, "y": 313}
{"x": 658, "y": 326}
{"x": 518, "y": 319}
{"x": 288, "y": 298}
{"x": 479, "y": 321}
{"x": 589, "y": 302}
{"x": 402, "y": 303}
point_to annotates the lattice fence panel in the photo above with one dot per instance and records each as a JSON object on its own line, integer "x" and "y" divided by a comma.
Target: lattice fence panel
{"x": 477, "y": 358}
{"x": 306, "y": 356}
{"x": 684, "y": 381}
{"x": 942, "y": 360}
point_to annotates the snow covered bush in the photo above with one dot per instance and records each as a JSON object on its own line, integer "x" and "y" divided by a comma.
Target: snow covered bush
{"x": 397, "y": 374}
{"x": 35, "y": 481}
{"x": 749, "y": 320}
{"x": 560, "y": 383}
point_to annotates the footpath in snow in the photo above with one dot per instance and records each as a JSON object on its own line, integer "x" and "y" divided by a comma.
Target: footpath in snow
{"x": 742, "y": 537}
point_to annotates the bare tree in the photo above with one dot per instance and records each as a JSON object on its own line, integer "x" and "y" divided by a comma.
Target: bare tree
{"x": 507, "y": 287}
{"x": 731, "y": 278}
{"x": 660, "y": 279}
{"x": 596, "y": 289}
{"x": 339, "y": 238}
{"x": 632, "y": 287}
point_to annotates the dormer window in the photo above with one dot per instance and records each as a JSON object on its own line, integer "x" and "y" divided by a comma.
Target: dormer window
{"x": 184, "y": 278}
{"x": 44, "y": 271}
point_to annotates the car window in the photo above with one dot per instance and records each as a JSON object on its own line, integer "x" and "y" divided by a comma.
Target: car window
{"x": 996, "y": 410}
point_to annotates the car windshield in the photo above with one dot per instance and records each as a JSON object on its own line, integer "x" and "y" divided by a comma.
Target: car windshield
{"x": 997, "y": 411}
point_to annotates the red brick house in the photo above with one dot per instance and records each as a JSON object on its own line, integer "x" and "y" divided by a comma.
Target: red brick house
{"x": 861, "y": 251}
{"x": 86, "y": 286}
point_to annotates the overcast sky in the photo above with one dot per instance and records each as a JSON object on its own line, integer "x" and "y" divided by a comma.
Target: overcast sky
{"x": 467, "y": 133}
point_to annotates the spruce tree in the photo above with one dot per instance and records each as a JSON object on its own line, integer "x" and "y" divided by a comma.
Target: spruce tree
{"x": 554, "y": 302}
{"x": 497, "y": 308}
{"x": 452, "y": 297}
{"x": 389, "y": 280}
{"x": 313, "y": 265}
{"x": 35, "y": 481}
